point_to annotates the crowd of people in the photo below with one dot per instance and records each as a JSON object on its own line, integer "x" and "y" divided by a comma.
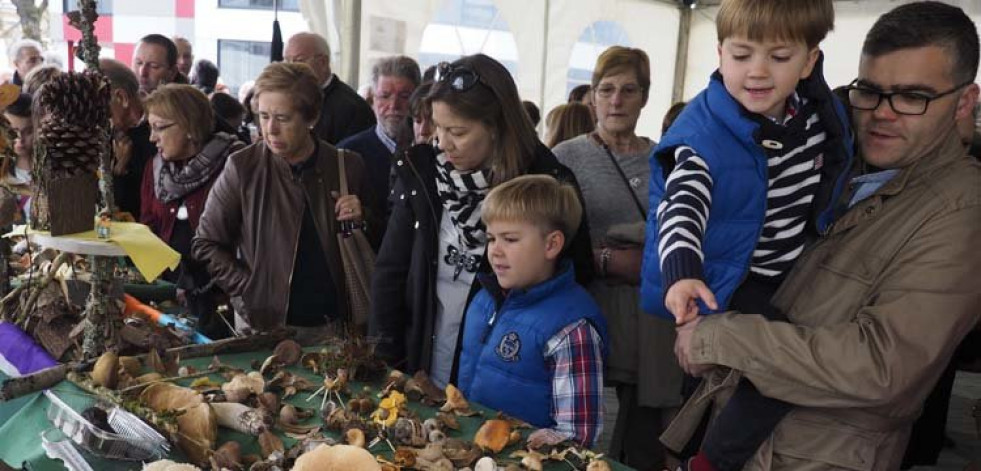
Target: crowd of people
{"x": 780, "y": 283}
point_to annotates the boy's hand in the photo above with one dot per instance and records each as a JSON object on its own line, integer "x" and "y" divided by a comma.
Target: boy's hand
{"x": 681, "y": 296}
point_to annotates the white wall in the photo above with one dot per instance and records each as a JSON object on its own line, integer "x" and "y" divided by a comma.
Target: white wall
{"x": 544, "y": 61}
{"x": 842, "y": 48}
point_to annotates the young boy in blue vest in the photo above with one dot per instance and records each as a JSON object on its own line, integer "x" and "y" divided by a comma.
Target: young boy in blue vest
{"x": 533, "y": 339}
{"x": 748, "y": 174}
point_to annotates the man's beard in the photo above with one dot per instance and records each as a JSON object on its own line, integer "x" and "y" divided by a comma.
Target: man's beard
{"x": 398, "y": 129}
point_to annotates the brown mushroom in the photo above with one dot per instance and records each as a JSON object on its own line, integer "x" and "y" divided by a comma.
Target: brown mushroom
{"x": 227, "y": 456}
{"x": 130, "y": 365}
{"x": 355, "y": 437}
{"x": 270, "y": 443}
{"x": 288, "y": 352}
{"x": 598, "y": 465}
{"x": 105, "y": 373}
{"x": 493, "y": 435}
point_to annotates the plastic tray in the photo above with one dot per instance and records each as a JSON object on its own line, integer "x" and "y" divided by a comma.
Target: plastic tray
{"x": 135, "y": 440}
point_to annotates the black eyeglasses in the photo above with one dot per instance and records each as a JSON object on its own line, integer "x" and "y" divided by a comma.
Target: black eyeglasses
{"x": 460, "y": 78}
{"x": 906, "y": 103}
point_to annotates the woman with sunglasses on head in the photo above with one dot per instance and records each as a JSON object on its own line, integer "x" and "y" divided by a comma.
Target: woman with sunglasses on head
{"x": 190, "y": 155}
{"x": 425, "y": 274}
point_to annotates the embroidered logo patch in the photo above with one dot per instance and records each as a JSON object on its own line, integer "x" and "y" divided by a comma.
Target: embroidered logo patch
{"x": 509, "y": 347}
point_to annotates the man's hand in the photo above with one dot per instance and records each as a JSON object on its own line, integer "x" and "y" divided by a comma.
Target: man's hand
{"x": 681, "y": 296}
{"x": 682, "y": 349}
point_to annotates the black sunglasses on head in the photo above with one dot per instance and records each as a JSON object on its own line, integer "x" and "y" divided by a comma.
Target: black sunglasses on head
{"x": 460, "y": 78}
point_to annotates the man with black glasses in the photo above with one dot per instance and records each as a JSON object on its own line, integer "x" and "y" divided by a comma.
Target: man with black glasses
{"x": 878, "y": 306}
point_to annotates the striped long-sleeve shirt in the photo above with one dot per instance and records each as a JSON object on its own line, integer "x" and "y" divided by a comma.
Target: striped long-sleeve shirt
{"x": 794, "y": 159}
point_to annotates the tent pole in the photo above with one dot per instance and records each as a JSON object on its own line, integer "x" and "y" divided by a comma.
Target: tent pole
{"x": 541, "y": 98}
{"x": 351, "y": 41}
{"x": 681, "y": 55}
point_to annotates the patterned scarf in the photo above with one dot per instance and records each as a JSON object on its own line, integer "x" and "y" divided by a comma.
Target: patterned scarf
{"x": 461, "y": 193}
{"x": 173, "y": 183}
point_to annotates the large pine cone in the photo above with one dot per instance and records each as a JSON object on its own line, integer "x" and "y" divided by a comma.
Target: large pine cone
{"x": 74, "y": 124}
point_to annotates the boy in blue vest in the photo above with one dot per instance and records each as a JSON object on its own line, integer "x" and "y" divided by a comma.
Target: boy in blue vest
{"x": 533, "y": 339}
{"x": 748, "y": 174}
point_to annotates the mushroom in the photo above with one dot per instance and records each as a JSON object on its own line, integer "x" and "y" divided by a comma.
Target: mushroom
{"x": 227, "y": 456}
{"x": 197, "y": 426}
{"x": 404, "y": 457}
{"x": 288, "y": 352}
{"x": 436, "y": 436}
{"x": 105, "y": 373}
{"x": 269, "y": 443}
{"x": 354, "y": 437}
{"x": 485, "y": 464}
{"x": 598, "y": 465}
{"x": 312, "y": 361}
{"x": 242, "y": 386}
{"x": 242, "y": 418}
{"x": 130, "y": 365}
{"x": 268, "y": 401}
{"x": 456, "y": 403}
{"x": 532, "y": 463}
{"x": 493, "y": 435}
{"x": 324, "y": 458}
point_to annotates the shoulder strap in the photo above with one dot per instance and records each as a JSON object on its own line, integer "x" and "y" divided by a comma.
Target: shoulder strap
{"x": 341, "y": 174}
{"x": 623, "y": 176}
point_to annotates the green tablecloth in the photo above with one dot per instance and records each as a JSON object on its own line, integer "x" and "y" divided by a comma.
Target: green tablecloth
{"x": 20, "y": 442}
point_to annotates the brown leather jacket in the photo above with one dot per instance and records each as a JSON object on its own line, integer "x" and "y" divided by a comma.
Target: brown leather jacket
{"x": 876, "y": 310}
{"x": 250, "y": 228}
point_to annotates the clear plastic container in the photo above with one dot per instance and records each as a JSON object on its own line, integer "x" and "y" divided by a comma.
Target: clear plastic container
{"x": 134, "y": 440}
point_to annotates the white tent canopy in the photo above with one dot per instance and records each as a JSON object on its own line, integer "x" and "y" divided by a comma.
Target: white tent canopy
{"x": 549, "y": 45}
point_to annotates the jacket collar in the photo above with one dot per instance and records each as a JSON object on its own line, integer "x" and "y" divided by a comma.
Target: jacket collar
{"x": 565, "y": 275}
{"x": 949, "y": 152}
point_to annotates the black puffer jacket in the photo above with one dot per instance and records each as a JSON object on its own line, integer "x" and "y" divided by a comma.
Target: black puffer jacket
{"x": 403, "y": 313}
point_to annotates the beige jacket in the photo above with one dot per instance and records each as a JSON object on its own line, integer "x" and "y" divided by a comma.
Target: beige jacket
{"x": 876, "y": 309}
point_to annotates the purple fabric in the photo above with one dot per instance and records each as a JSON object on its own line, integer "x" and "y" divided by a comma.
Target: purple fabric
{"x": 19, "y": 350}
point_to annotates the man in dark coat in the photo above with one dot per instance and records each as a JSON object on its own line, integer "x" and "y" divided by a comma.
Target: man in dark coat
{"x": 131, "y": 146}
{"x": 393, "y": 80}
{"x": 344, "y": 112}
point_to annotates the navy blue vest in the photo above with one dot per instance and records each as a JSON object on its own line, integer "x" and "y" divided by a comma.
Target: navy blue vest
{"x": 714, "y": 124}
{"x": 502, "y": 365}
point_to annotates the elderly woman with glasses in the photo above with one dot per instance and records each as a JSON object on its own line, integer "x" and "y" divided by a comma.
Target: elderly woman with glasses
{"x": 611, "y": 166}
{"x": 269, "y": 230}
{"x": 435, "y": 246}
{"x": 190, "y": 155}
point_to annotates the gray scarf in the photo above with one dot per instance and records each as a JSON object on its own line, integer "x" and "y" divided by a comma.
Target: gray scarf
{"x": 173, "y": 184}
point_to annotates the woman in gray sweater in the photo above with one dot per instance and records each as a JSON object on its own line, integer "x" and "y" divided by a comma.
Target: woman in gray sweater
{"x": 611, "y": 166}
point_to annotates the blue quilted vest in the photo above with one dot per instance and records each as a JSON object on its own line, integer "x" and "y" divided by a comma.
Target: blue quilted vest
{"x": 502, "y": 363}
{"x": 714, "y": 124}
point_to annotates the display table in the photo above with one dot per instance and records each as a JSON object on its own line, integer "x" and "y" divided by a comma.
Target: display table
{"x": 20, "y": 442}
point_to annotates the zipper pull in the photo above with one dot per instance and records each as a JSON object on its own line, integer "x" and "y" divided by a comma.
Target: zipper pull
{"x": 489, "y": 328}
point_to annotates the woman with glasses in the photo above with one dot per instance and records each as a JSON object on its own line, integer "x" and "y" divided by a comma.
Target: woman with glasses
{"x": 435, "y": 246}
{"x": 15, "y": 173}
{"x": 611, "y": 166}
{"x": 190, "y": 155}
